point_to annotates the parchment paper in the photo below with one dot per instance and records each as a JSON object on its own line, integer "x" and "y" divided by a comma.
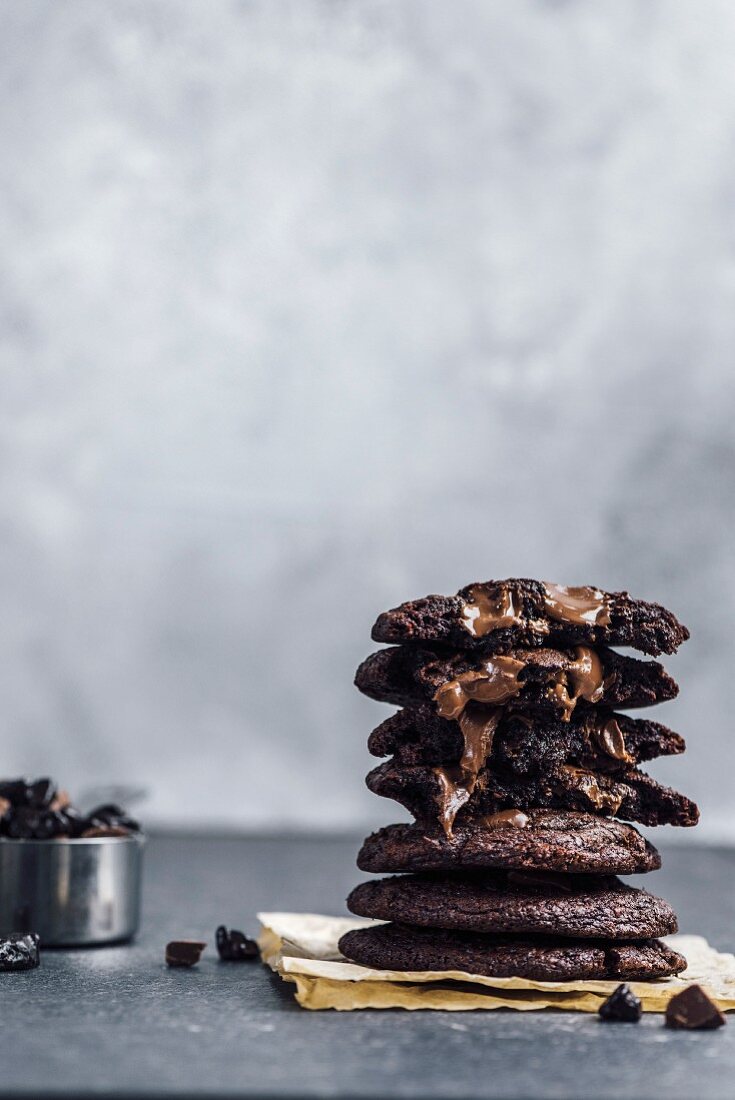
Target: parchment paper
{"x": 302, "y": 948}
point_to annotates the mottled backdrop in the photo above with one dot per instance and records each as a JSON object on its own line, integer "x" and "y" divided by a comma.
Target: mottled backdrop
{"x": 310, "y": 307}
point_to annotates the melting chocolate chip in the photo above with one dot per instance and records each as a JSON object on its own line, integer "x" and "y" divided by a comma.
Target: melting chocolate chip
{"x": 611, "y": 740}
{"x": 693, "y": 1010}
{"x": 621, "y": 1006}
{"x": 19, "y": 951}
{"x": 586, "y": 783}
{"x": 582, "y": 605}
{"x": 184, "y": 952}
{"x": 234, "y": 946}
{"x": 516, "y": 818}
{"x": 490, "y": 607}
{"x": 495, "y": 682}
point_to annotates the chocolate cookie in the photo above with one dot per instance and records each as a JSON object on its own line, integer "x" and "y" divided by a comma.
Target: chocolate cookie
{"x": 596, "y": 739}
{"x": 492, "y": 616}
{"x": 538, "y": 958}
{"x": 518, "y": 902}
{"x": 441, "y": 792}
{"x": 540, "y": 840}
{"x": 551, "y": 681}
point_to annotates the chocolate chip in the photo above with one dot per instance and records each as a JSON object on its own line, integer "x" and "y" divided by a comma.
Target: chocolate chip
{"x": 622, "y": 1006}
{"x": 111, "y": 816}
{"x": 23, "y": 823}
{"x": 184, "y": 952}
{"x": 40, "y": 793}
{"x": 74, "y": 822}
{"x": 692, "y": 1009}
{"x": 234, "y": 946}
{"x": 27, "y": 823}
{"x": 19, "y": 951}
{"x": 36, "y": 810}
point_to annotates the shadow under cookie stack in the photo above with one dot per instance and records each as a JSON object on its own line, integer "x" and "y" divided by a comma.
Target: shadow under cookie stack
{"x": 522, "y": 780}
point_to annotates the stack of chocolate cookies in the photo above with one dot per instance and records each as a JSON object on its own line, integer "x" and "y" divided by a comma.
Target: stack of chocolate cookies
{"x": 510, "y": 754}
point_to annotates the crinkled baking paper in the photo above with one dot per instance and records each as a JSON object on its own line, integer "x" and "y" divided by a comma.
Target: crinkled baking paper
{"x": 302, "y": 948}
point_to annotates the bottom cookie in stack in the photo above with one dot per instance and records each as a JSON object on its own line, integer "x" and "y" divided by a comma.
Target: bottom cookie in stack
{"x": 532, "y": 895}
{"x": 538, "y": 958}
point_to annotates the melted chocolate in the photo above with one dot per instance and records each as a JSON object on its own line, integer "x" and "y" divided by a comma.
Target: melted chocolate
{"x": 610, "y": 739}
{"x": 478, "y": 725}
{"x": 490, "y": 607}
{"x": 581, "y": 606}
{"x": 515, "y": 818}
{"x": 496, "y": 682}
{"x": 584, "y": 676}
{"x": 456, "y": 788}
{"x": 586, "y": 783}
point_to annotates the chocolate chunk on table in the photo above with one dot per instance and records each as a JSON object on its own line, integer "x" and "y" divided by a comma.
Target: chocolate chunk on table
{"x": 235, "y": 946}
{"x": 621, "y": 1006}
{"x": 19, "y": 951}
{"x": 89, "y": 1010}
{"x": 184, "y": 952}
{"x": 692, "y": 1010}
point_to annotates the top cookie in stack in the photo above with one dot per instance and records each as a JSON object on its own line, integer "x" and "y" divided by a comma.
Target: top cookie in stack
{"x": 510, "y": 755}
{"x": 493, "y": 616}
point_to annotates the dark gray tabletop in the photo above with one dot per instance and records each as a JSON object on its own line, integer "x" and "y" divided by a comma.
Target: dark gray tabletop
{"x": 117, "y": 1021}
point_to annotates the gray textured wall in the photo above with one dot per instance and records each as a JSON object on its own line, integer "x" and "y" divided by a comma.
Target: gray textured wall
{"x": 310, "y": 307}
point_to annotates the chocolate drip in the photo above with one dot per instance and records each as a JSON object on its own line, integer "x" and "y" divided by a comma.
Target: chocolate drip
{"x": 490, "y": 607}
{"x": 478, "y": 725}
{"x": 494, "y": 684}
{"x": 584, "y": 676}
{"x": 456, "y": 788}
{"x": 580, "y": 606}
